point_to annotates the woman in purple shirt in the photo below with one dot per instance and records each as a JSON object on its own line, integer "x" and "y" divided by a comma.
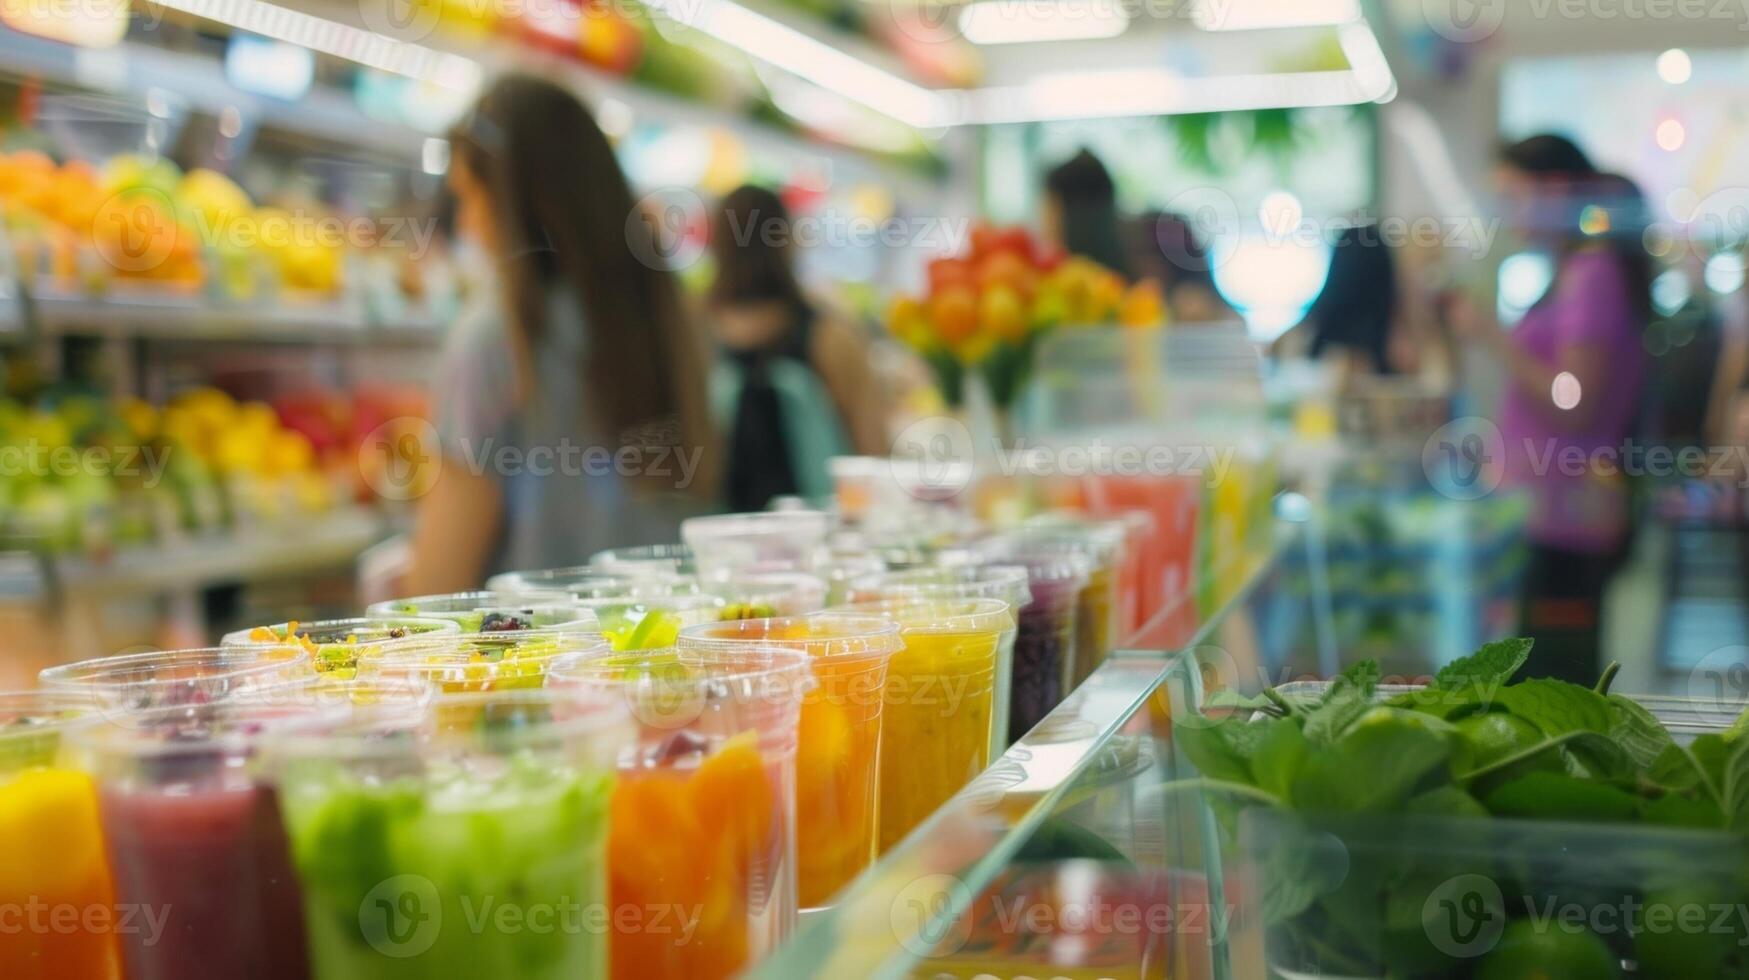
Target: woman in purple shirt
{"x": 1573, "y": 372}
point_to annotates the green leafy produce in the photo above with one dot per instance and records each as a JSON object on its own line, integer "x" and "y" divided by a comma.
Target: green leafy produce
{"x": 1371, "y": 820}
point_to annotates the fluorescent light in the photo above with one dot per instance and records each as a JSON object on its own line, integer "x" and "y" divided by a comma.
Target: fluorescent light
{"x": 1251, "y": 15}
{"x": 1156, "y": 92}
{"x": 1675, "y": 66}
{"x": 271, "y": 68}
{"x": 806, "y": 57}
{"x": 339, "y": 40}
{"x": 1367, "y": 60}
{"x": 1026, "y": 21}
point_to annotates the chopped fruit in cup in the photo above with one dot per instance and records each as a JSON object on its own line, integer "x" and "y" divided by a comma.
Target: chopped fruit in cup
{"x": 493, "y": 612}
{"x": 837, "y": 753}
{"x": 336, "y": 647}
{"x": 652, "y": 622}
{"x": 484, "y": 662}
{"x": 702, "y": 817}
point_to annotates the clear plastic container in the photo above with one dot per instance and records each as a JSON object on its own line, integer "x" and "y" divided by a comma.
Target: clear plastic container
{"x": 402, "y": 835}
{"x": 165, "y": 678}
{"x": 763, "y": 595}
{"x": 1100, "y": 615}
{"x": 192, "y": 829}
{"x": 55, "y": 856}
{"x": 491, "y": 612}
{"x": 648, "y": 560}
{"x": 838, "y": 761}
{"x": 1044, "y": 642}
{"x": 939, "y": 703}
{"x": 789, "y": 540}
{"x": 481, "y": 662}
{"x": 965, "y": 581}
{"x": 581, "y": 581}
{"x": 703, "y": 816}
{"x": 337, "y": 645}
{"x": 646, "y": 622}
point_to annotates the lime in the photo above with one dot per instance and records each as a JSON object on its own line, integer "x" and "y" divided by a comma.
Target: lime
{"x": 1527, "y": 952}
{"x": 1675, "y": 953}
{"x": 1498, "y": 734}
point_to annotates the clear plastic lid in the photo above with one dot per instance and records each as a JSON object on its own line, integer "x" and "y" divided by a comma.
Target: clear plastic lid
{"x": 173, "y": 678}
{"x": 471, "y": 721}
{"x": 1006, "y": 582}
{"x": 935, "y": 615}
{"x": 485, "y": 612}
{"x": 650, "y": 559}
{"x": 716, "y": 695}
{"x": 580, "y": 581}
{"x": 337, "y": 645}
{"x": 481, "y": 662}
{"x": 32, "y": 724}
{"x": 768, "y": 541}
{"x": 762, "y": 595}
{"x": 821, "y": 636}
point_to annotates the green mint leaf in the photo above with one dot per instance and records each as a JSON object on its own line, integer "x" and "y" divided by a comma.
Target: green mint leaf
{"x": 1557, "y": 796}
{"x": 1223, "y": 749}
{"x": 1739, "y": 727}
{"x": 1350, "y": 696}
{"x": 1446, "y": 801}
{"x": 1736, "y": 785}
{"x": 1278, "y": 758}
{"x": 1490, "y": 667}
{"x": 1696, "y": 768}
{"x": 1558, "y": 707}
{"x": 1373, "y": 767}
{"x": 1675, "y": 810}
{"x": 1637, "y": 731}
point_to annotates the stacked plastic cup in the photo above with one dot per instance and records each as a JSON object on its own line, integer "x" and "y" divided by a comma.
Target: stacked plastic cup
{"x": 838, "y": 758}
{"x": 1044, "y": 644}
{"x": 786, "y": 540}
{"x": 56, "y": 854}
{"x": 194, "y": 835}
{"x": 703, "y": 816}
{"x": 1009, "y": 583}
{"x": 489, "y": 612}
{"x": 337, "y": 645}
{"x": 940, "y": 702}
{"x": 491, "y": 810}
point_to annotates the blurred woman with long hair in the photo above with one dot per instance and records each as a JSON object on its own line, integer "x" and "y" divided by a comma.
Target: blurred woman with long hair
{"x": 570, "y": 400}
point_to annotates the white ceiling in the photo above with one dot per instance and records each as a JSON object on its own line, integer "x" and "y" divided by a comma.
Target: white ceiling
{"x": 1539, "y": 27}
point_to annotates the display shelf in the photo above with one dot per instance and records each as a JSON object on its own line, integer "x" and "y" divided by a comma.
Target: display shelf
{"x": 267, "y": 551}
{"x": 912, "y": 912}
{"x": 178, "y": 319}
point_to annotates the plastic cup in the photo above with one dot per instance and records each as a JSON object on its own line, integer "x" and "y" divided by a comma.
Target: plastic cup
{"x": 763, "y": 595}
{"x": 1044, "y": 644}
{"x": 842, "y": 569}
{"x": 703, "y": 816}
{"x": 786, "y": 540}
{"x": 482, "y": 662}
{"x": 581, "y": 582}
{"x": 964, "y": 581}
{"x": 490, "y": 612}
{"x": 493, "y": 813}
{"x": 939, "y": 703}
{"x": 838, "y": 759}
{"x": 338, "y": 645}
{"x": 194, "y": 836}
{"x": 1098, "y": 611}
{"x": 168, "y": 678}
{"x": 651, "y": 560}
{"x": 55, "y": 856}
{"x": 648, "y": 622}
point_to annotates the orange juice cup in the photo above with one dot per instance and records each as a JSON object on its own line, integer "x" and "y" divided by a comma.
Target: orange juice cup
{"x": 939, "y": 703}
{"x": 701, "y": 837}
{"x": 838, "y": 760}
{"x": 55, "y": 858}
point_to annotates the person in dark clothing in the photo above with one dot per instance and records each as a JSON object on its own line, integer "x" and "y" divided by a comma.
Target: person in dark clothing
{"x": 1353, "y": 313}
{"x": 1080, "y": 212}
{"x": 1165, "y": 248}
{"x": 803, "y": 388}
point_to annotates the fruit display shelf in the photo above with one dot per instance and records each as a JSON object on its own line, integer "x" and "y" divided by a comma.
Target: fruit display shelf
{"x": 181, "y": 318}
{"x": 269, "y": 550}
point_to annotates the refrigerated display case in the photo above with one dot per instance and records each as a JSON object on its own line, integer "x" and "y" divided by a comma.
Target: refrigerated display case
{"x": 1093, "y": 848}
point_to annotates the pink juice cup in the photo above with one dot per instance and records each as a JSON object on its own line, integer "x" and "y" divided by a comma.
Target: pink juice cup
{"x": 194, "y": 835}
